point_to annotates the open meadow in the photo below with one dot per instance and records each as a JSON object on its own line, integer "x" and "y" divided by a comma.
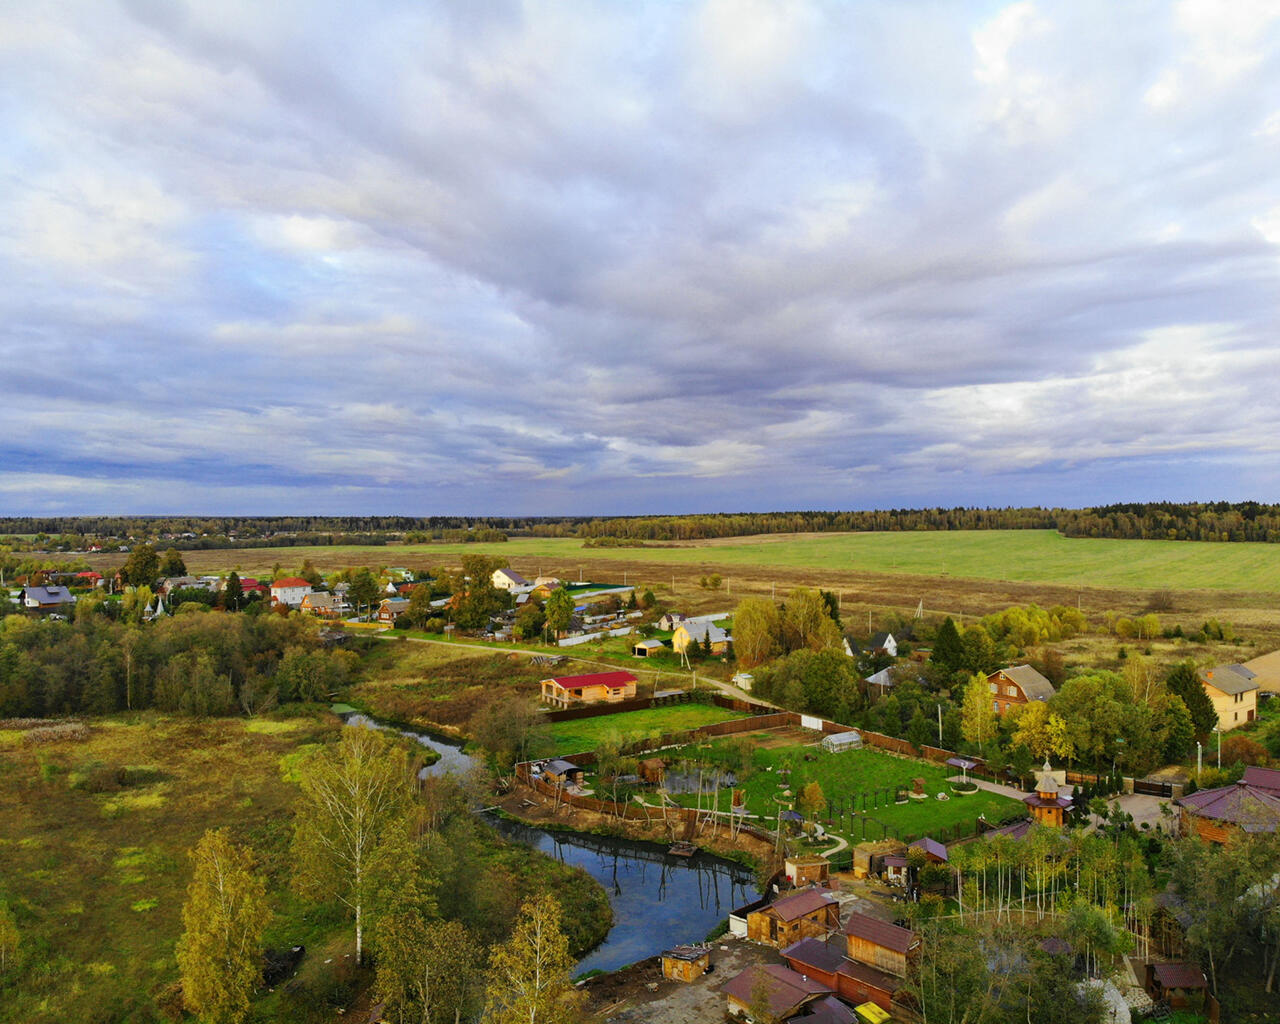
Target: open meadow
{"x": 583, "y": 734}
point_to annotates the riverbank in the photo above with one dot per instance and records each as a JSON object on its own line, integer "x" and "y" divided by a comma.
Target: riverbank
{"x": 530, "y": 807}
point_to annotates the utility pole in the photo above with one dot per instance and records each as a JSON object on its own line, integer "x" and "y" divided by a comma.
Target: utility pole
{"x": 1199, "y": 763}
{"x": 939, "y": 725}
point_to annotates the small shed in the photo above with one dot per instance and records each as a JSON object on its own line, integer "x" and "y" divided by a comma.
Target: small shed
{"x": 1178, "y": 984}
{"x": 562, "y": 772}
{"x": 686, "y": 963}
{"x": 802, "y": 870}
{"x": 653, "y": 770}
{"x": 836, "y": 742}
{"x": 647, "y": 648}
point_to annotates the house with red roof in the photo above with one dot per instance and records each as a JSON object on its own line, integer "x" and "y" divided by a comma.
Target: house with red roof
{"x": 289, "y": 590}
{"x": 593, "y": 688}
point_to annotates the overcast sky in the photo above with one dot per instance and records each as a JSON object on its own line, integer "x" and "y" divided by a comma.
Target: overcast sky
{"x": 613, "y": 257}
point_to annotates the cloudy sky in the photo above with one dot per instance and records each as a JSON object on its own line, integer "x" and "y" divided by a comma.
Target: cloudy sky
{"x": 636, "y": 257}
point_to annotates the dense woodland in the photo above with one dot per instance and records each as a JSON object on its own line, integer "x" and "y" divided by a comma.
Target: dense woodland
{"x": 1210, "y": 521}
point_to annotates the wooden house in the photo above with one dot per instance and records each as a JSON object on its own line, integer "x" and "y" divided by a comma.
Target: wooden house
{"x": 1234, "y": 692}
{"x": 326, "y": 606}
{"x": 391, "y": 608}
{"x": 879, "y": 944}
{"x": 1180, "y": 985}
{"x": 594, "y": 688}
{"x": 686, "y": 963}
{"x": 828, "y": 962}
{"x": 1017, "y": 685}
{"x": 786, "y": 991}
{"x": 1250, "y": 805}
{"x": 801, "y": 915}
{"x": 802, "y": 870}
{"x": 647, "y": 648}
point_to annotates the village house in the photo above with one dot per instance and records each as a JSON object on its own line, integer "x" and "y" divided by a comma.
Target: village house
{"x": 593, "y": 688}
{"x": 883, "y": 643}
{"x": 785, "y": 991}
{"x": 47, "y": 599}
{"x": 806, "y": 869}
{"x": 686, "y": 963}
{"x": 670, "y": 620}
{"x": 391, "y": 608}
{"x": 801, "y": 915}
{"x": 1181, "y": 985}
{"x": 326, "y": 606}
{"x": 1250, "y": 805}
{"x": 1017, "y": 685}
{"x": 699, "y": 631}
{"x": 509, "y": 580}
{"x": 1234, "y": 692}
{"x": 289, "y": 590}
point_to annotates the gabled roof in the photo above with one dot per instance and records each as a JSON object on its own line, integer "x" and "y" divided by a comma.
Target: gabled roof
{"x": 513, "y": 576}
{"x": 785, "y": 988}
{"x": 931, "y": 847}
{"x": 50, "y": 595}
{"x": 827, "y": 1010}
{"x": 699, "y": 629}
{"x": 880, "y": 933}
{"x": 882, "y": 678}
{"x": 1263, "y": 778}
{"x": 592, "y": 679}
{"x": 290, "y": 581}
{"x": 798, "y": 904}
{"x": 879, "y": 640}
{"x": 1180, "y": 976}
{"x": 1031, "y": 682}
{"x": 1229, "y": 679}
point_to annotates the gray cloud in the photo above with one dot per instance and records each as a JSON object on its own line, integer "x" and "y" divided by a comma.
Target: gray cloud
{"x": 621, "y": 258}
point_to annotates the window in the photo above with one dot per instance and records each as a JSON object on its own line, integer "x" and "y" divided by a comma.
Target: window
{"x": 1012, "y": 691}
{"x": 995, "y": 688}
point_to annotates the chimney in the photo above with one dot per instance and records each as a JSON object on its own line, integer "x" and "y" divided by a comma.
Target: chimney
{"x": 1209, "y": 674}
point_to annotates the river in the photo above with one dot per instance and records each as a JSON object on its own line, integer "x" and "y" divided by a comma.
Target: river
{"x": 658, "y": 900}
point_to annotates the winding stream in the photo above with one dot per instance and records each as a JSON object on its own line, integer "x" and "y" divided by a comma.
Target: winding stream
{"x": 658, "y": 900}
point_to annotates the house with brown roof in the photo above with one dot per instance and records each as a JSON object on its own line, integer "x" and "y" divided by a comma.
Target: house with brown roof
{"x": 592, "y": 688}
{"x": 1250, "y": 805}
{"x": 1234, "y": 692}
{"x": 326, "y": 606}
{"x": 808, "y": 912}
{"x": 827, "y": 961}
{"x": 1017, "y": 685}
{"x": 879, "y": 944}
{"x": 785, "y": 991}
{"x": 1178, "y": 984}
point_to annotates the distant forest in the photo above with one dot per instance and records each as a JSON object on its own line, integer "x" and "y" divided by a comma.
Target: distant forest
{"x": 1214, "y": 521}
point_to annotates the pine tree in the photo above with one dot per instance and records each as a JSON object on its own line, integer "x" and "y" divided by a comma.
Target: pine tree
{"x": 947, "y": 650}
{"x": 233, "y": 595}
{"x": 226, "y": 911}
{"x": 531, "y": 973}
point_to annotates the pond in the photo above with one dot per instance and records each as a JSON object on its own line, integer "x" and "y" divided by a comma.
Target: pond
{"x": 658, "y": 900}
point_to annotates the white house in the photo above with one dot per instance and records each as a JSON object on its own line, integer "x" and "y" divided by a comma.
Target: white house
{"x": 290, "y": 590}
{"x": 509, "y": 579}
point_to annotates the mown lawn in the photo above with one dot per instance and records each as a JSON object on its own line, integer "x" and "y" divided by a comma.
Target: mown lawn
{"x": 585, "y": 734}
{"x": 851, "y": 780}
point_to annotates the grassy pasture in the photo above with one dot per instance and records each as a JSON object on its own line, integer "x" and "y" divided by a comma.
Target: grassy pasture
{"x": 1031, "y": 556}
{"x": 851, "y": 772}
{"x": 584, "y": 734}
{"x": 96, "y": 869}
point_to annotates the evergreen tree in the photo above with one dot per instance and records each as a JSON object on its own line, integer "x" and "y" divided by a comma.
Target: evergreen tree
{"x": 172, "y": 564}
{"x": 1184, "y": 681}
{"x": 233, "y": 593}
{"x": 947, "y": 650}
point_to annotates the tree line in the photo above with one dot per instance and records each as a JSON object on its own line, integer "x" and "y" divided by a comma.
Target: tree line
{"x": 1219, "y": 521}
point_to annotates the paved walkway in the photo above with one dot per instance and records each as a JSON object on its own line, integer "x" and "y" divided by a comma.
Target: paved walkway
{"x": 991, "y": 787}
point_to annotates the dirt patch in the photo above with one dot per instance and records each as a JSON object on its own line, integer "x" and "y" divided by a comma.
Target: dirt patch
{"x": 640, "y": 995}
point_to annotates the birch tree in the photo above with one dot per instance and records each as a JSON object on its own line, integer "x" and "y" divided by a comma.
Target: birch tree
{"x": 224, "y": 915}
{"x": 530, "y": 973}
{"x": 351, "y": 815}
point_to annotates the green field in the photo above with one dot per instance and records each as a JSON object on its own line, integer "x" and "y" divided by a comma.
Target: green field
{"x": 850, "y": 775}
{"x": 1033, "y": 556}
{"x": 585, "y": 734}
